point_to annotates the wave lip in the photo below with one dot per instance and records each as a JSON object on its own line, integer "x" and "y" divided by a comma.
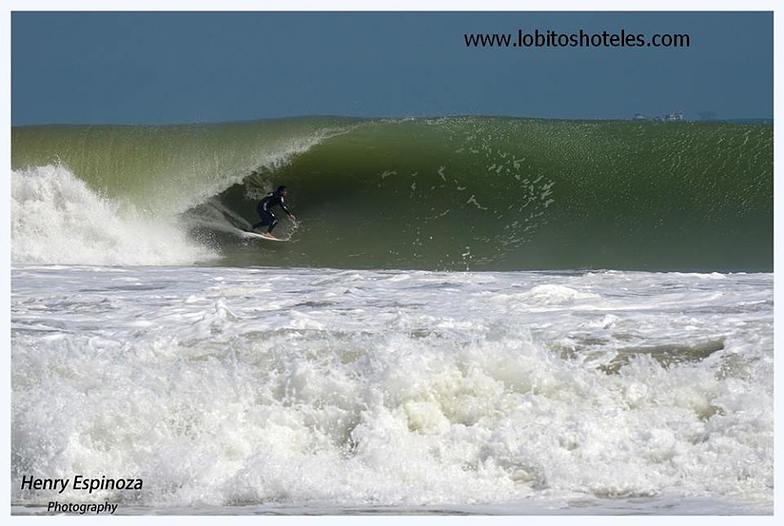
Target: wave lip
{"x": 56, "y": 218}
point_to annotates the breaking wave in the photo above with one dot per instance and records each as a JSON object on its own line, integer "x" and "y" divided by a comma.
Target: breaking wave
{"x": 449, "y": 193}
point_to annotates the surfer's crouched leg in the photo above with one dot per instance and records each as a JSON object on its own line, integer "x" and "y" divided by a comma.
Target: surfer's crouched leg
{"x": 267, "y": 218}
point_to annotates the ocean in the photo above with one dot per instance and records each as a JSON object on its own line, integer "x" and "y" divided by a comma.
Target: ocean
{"x": 472, "y": 315}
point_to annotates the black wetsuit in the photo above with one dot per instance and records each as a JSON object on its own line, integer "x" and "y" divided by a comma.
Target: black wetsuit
{"x": 266, "y": 215}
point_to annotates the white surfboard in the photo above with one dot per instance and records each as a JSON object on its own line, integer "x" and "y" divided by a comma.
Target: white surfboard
{"x": 256, "y": 235}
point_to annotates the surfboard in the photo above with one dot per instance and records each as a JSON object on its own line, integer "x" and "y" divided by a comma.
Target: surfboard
{"x": 267, "y": 237}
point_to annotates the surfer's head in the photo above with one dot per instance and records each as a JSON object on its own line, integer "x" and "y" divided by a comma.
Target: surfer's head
{"x": 281, "y": 191}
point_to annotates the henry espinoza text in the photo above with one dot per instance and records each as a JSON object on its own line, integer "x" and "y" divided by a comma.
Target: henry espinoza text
{"x": 80, "y": 483}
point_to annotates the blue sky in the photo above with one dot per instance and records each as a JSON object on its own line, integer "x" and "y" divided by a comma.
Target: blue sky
{"x": 116, "y": 67}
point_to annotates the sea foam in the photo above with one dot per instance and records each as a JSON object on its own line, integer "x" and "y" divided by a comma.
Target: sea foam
{"x": 226, "y": 387}
{"x": 57, "y": 218}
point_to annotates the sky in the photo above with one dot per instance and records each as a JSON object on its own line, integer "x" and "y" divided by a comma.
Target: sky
{"x": 164, "y": 67}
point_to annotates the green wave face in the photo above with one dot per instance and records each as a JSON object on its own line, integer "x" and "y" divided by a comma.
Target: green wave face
{"x": 449, "y": 193}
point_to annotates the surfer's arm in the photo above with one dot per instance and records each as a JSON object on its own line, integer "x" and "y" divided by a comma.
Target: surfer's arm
{"x": 286, "y": 209}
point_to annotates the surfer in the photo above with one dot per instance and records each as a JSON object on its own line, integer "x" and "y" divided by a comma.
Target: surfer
{"x": 276, "y": 198}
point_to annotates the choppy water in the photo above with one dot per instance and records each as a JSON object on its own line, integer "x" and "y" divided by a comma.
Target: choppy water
{"x": 252, "y": 390}
{"x": 302, "y": 389}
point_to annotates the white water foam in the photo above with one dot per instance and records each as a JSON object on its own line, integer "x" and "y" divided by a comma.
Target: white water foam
{"x": 318, "y": 388}
{"x": 56, "y": 218}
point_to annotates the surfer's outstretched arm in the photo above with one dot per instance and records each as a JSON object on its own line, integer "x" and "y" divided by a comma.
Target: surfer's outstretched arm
{"x": 286, "y": 209}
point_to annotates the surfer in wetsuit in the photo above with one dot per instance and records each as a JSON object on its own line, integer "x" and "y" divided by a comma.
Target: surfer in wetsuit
{"x": 268, "y": 219}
